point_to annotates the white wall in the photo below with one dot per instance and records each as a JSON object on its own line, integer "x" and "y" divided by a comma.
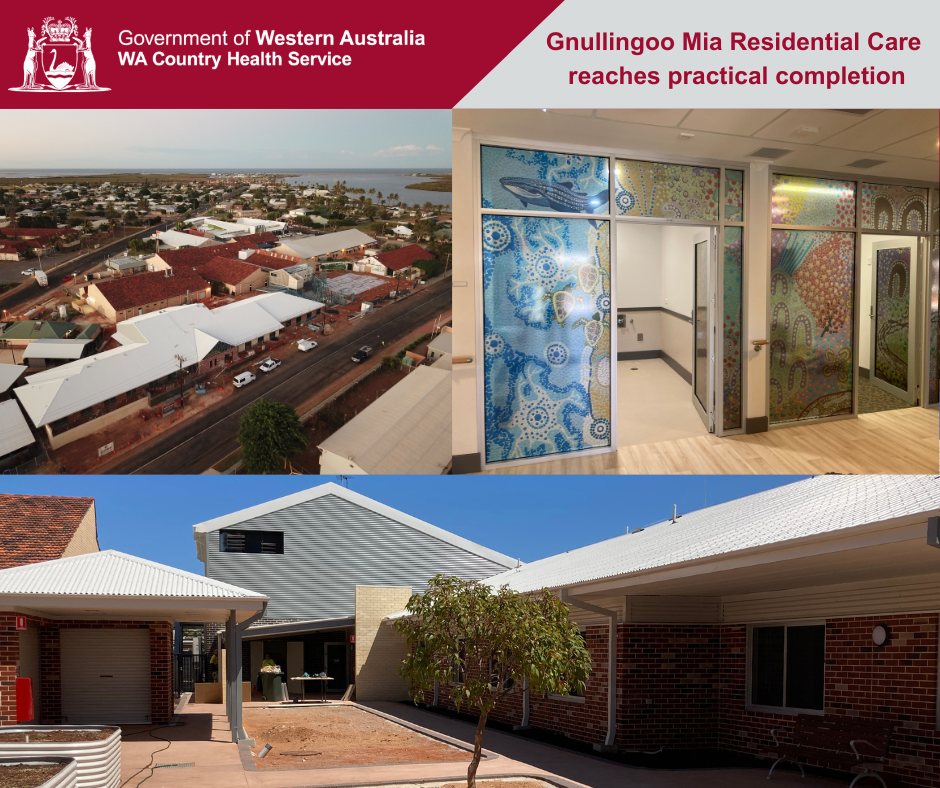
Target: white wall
{"x": 679, "y": 269}
{"x": 639, "y": 284}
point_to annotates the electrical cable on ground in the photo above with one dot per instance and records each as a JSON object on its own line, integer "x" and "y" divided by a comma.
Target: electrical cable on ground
{"x": 150, "y": 765}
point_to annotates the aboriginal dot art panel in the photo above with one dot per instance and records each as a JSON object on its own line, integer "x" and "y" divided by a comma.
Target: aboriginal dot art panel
{"x": 734, "y": 195}
{"x": 892, "y": 315}
{"x": 546, "y": 319}
{"x": 811, "y": 351}
{"x": 815, "y": 202}
{"x": 933, "y": 384}
{"x": 885, "y": 207}
{"x": 533, "y": 180}
{"x": 733, "y": 263}
{"x": 666, "y": 191}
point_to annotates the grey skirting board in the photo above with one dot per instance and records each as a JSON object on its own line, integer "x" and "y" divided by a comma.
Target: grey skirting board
{"x": 630, "y": 355}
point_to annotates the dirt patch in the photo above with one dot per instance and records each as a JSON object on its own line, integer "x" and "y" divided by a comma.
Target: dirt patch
{"x": 340, "y": 736}
{"x": 57, "y": 736}
{"x": 28, "y": 776}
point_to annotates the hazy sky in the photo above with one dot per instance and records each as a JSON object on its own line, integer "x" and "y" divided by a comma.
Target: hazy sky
{"x": 249, "y": 139}
{"x": 526, "y": 517}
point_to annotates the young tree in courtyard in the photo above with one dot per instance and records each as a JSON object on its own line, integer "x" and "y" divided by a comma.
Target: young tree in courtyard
{"x": 490, "y": 641}
{"x": 270, "y": 434}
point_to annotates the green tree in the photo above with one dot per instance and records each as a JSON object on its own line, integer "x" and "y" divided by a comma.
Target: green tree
{"x": 270, "y": 434}
{"x": 490, "y": 641}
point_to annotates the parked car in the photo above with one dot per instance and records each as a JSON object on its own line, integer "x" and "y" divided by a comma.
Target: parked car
{"x": 306, "y": 344}
{"x": 362, "y": 354}
{"x": 68, "y": 277}
{"x": 270, "y": 364}
{"x": 28, "y": 272}
{"x": 243, "y": 379}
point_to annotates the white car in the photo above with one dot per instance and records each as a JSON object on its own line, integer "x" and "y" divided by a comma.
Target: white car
{"x": 306, "y": 344}
{"x": 28, "y": 272}
{"x": 243, "y": 379}
{"x": 270, "y": 364}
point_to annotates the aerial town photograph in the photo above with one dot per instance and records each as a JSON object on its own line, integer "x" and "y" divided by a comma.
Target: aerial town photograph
{"x": 224, "y": 296}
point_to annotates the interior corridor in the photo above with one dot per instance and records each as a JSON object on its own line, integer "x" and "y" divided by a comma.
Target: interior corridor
{"x": 654, "y": 403}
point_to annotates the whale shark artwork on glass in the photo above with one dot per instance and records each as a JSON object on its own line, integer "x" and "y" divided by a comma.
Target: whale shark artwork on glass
{"x": 560, "y": 197}
{"x": 519, "y": 180}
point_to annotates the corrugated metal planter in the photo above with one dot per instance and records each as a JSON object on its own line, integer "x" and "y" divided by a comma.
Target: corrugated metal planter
{"x": 66, "y": 778}
{"x": 98, "y": 762}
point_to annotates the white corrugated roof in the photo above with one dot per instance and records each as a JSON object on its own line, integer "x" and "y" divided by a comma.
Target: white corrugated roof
{"x": 14, "y": 431}
{"x": 9, "y": 374}
{"x": 55, "y": 348}
{"x": 179, "y": 240}
{"x": 113, "y": 574}
{"x": 318, "y": 245}
{"x": 149, "y": 346}
{"x": 803, "y": 509}
{"x": 405, "y": 431}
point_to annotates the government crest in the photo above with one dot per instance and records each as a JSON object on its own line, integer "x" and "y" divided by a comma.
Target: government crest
{"x": 59, "y": 58}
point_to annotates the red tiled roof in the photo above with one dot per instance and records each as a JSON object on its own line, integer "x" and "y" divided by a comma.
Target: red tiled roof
{"x": 229, "y": 270}
{"x": 38, "y": 527}
{"x": 142, "y": 289}
{"x": 37, "y": 232}
{"x": 189, "y": 257}
{"x": 404, "y": 257}
{"x": 274, "y": 260}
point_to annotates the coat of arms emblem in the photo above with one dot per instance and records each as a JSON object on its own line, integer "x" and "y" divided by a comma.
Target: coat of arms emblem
{"x": 57, "y": 56}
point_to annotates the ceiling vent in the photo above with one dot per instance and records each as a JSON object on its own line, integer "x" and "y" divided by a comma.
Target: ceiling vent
{"x": 854, "y": 111}
{"x": 769, "y": 153}
{"x": 866, "y": 164}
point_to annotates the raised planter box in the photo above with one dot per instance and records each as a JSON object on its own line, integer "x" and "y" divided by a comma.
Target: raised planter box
{"x": 64, "y": 778}
{"x": 98, "y": 762}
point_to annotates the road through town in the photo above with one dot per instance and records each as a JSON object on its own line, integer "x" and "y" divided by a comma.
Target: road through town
{"x": 196, "y": 443}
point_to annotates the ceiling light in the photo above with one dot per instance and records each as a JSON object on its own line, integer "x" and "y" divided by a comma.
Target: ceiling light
{"x": 685, "y": 136}
{"x": 804, "y": 131}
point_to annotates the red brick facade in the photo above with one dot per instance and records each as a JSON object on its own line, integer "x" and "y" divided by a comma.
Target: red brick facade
{"x": 49, "y": 707}
{"x": 684, "y": 686}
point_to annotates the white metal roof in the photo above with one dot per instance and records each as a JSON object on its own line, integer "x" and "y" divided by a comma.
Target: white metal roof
{"x": 443, "y": 342}
{"x": 9, "y": 374}
{"x": 331, "y": 488}
{"x": 149, "y": 346}
{"x": 318, "y": 245}
{"x": 113, "y": 574}
{"x": 807, "y": 508}
{"x": 178, "y": 240}
{"x": 14, "y": 431}
{"x": 405, "y": 431}
{"x": 55, "y": 348}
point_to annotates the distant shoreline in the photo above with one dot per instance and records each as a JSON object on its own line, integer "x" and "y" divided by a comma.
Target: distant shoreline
{"x": 442, "y": 184}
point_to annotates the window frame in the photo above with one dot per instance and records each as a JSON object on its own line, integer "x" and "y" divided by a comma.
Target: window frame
{"x": 244, "y": 534}
{"x": 787, "y": 710}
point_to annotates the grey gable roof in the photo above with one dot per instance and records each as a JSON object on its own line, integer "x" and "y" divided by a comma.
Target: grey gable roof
{"x": 334, "y": 540}
{"x": 812, "y": 507}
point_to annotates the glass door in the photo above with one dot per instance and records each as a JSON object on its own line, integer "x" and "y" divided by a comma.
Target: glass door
{"x": 703, "y": 329}
{"x": 893, "y": 316}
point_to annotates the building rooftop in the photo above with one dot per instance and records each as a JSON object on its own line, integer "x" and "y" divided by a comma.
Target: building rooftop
{"x": 405, "y": 431}
{"x": 179, "y": 240}
{"x": 810, "y": 508}
{"x": 229, "y": 270}
{"x": 55, "y": 348}
{"x": 37, "y": 527}
{"x": 149, "y": 346}
{"x": 404, "y": 257}
{"x": 150, "y": 288}
{"x": 35, "y": 329}
{"x": 318, "y": 245}
{"x": 9, "y": 374}
{"x": 443, "y": 342}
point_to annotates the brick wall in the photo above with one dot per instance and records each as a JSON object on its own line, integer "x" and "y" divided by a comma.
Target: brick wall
{"x": 379, "y": 649}
{"x": 49, "y": 705}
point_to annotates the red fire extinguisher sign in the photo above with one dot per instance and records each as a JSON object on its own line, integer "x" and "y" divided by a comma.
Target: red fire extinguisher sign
{"x": 21, "y": 622}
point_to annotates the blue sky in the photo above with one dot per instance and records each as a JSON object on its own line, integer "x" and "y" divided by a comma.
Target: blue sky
{"x": 526, "y": 517}
{"x": 249, "y": 139}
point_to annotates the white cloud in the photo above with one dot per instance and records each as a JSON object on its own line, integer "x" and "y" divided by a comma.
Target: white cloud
{"x": 406, "y": 150}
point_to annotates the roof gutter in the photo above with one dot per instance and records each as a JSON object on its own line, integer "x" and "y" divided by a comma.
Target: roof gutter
{"x": 609, "y": 744}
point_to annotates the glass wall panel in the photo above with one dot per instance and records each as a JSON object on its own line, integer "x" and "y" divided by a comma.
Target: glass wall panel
{"x": 812, "y": 201}
{"x": 517, "y": 180}
{"x": 701, "y": 325}
{"x": 892, "y": 315}
{"x": 666, "y": 191}
{"x": 893, "y": 207}
{"x": 734, "y": 195}
{"x": 812, "y": 293}
{"x": 546, "y": 316}
{"x": 731, "y": 373}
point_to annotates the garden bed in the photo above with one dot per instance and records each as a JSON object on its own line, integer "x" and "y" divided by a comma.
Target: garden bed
{"x": 312, "y": 738}
{"x": 56, "y": 735}
{"x": 95, "y": 748}
{"x": 37, "y": 773}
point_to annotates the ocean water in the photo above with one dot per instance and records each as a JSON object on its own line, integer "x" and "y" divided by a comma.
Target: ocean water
{"x": 386, "y": 180}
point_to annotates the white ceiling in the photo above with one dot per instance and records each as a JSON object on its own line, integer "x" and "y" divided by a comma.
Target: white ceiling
{"x": 907, "y": 139}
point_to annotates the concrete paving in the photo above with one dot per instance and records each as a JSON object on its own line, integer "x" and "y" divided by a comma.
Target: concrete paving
{"x": 203, "y": 740}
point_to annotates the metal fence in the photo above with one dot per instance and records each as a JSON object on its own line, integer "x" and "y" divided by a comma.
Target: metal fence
{"x": 26, "y": 467}
{"x": 189, "y": 670}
